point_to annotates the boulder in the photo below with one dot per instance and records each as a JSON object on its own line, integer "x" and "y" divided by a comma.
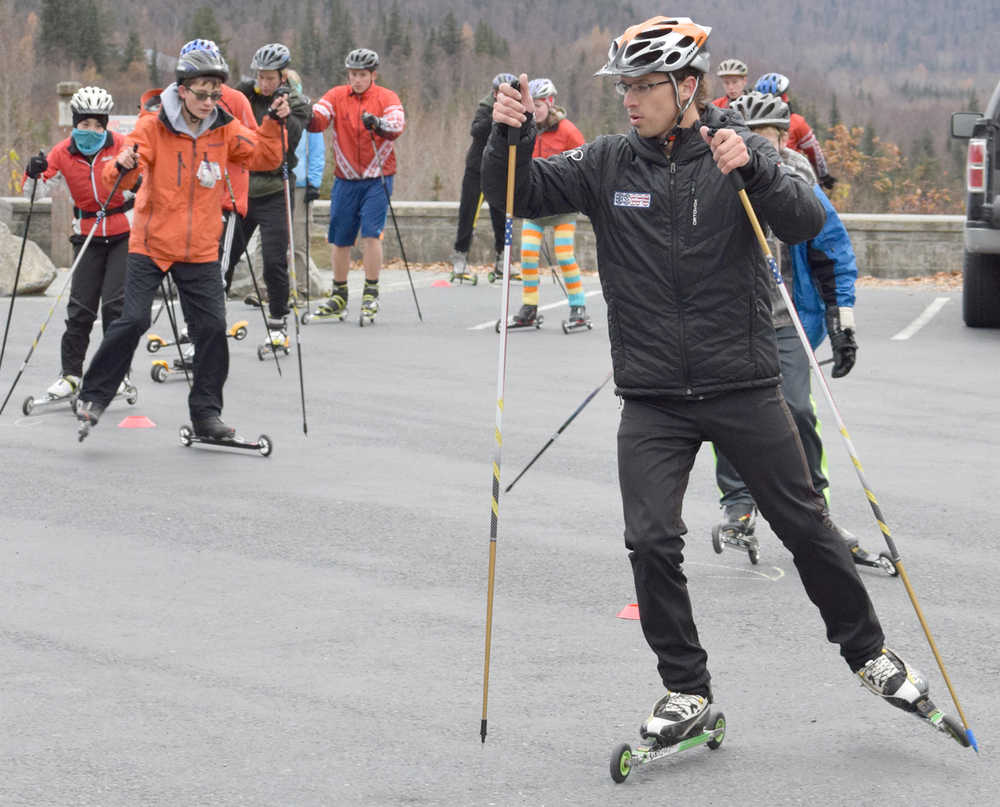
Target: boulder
{"x": 37, "y": 271}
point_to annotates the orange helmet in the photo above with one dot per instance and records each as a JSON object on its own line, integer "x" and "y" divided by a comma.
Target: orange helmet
{"x": 658, "y": 45}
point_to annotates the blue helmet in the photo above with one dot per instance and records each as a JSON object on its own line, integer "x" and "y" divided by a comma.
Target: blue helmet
{"x": 201, "y": 57}
{"x": 772, "y": 84}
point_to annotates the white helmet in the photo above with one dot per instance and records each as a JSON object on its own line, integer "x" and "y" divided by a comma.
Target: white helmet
{"x": 658, "y": 45}
{"x": 541, "y": 88}
{"x": 90, "y": 101}
{"x": 731, "y": 67}
{"x": 759, "y": 109}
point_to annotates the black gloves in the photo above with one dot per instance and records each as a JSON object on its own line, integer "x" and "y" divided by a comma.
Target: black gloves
{"x": 372, "y": 122}
{"x": 840, "y": 324}
{"x": 312, "y": 193}
{"x": 37, "y": 166}
{"x": 828, "y": 181}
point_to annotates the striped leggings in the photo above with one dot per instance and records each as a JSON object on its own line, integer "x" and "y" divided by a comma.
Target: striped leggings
{"x": 531, "y": 242}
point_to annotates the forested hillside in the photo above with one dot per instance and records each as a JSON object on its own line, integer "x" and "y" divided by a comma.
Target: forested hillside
{"x": 877, "y": 81}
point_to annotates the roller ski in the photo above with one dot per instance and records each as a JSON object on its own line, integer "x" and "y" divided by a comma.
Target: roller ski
{"x": 237, "y": 332}
{"x": 162, "y": 369}
{"x": 737, "y": 529}
{"x": 277, "y": 339}
{"x": 862, "y": 557}
{"x": 579, "y": 320}
{"x": 678, "y": 722}
{"x": 460, "y": 270}
{"x": 369, "y": 308}
{"x": 496, "y": 276}
{"x": 335, "y": 308}
{"x": 213, "y": 432}
{"x": 891, "y": 678}
{"x": 88, "y": 414}
{"x": 63, "y": 390}
{"x": 527, "y": 317}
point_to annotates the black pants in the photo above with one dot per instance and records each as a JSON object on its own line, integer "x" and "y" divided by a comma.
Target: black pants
{"x": 797, "y": 391}
{"x": 99, "y": 279}
{"x": 268, "y": 213}
{"x": 657, "y": 444}
{"x": 199, "y": 286}
{"x": 471, "y": 188}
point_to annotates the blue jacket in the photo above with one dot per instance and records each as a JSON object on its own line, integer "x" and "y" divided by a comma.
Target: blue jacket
{"x": 310, "y": 157}
{"x": 825, "y": 271}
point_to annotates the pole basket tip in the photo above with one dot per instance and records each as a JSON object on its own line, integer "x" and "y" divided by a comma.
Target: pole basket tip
{"x": 482, "y": 731}
{"x": 968, "y": 734}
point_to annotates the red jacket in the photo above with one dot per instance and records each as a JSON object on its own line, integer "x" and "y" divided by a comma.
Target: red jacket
{"x": 802, "y": 140}
{"x": 722, "y": 102}
{"x": 352, "y": 142}
{"x": 557, "y": 139}
{"x": 176, "y": 217}
{"x": 83, "y": 179}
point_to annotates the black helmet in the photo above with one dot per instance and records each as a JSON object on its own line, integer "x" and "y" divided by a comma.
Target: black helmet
{"x": 361, "y": 59}
{"x": 271, "y": 57}
{"x": 200, "y": 58}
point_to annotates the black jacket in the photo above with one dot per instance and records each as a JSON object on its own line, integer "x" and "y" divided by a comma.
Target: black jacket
{"x": 686, "y": 285}
{"x": 480, "y": 128}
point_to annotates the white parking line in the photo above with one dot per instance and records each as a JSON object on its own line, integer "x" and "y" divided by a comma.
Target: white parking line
{"x": 492, "y": 323}
{"x": 923, "y": 319}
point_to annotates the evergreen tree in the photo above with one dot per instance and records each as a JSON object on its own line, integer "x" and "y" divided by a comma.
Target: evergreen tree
{"x": 154, "y": 67}
{"x": 133, "y": 51}
{"x": 393, "y": 30}
{"x": 203, "y": 25}
{"x": 450, "y": 36}
{"x": 868, "y": 140}
{"x": 429, "y": 56}
{"x": 339, "y": 37}
{"x": 834, "y": 112}
{"x": 89, "y": 30}
{"x": 308, "y": 42}
{"x": 406, "y": 45}
{"x": 275, "y": 29}
{"x": 57, "y": 37}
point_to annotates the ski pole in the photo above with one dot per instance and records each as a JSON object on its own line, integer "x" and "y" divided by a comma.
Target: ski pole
{"x": 308, "y": 213}
{"x": 20, "y": 259}
{"x": 513, "y": 135}
{"x": 253, "y": 277}
{"x": 69, "y": 276}
{"x": 291, "y": 264}
{"x": 560, "y": 430}
{"x": 872, "y": 500}
{"x": 167, "y": 285}
{"x": 556, "y": 275}
{"x": 399, "y": 237}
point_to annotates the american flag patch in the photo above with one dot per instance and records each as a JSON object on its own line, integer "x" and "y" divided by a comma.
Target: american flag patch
{"x": 627, "y": 199}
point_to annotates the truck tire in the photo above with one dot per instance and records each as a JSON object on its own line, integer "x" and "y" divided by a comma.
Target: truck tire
{"x": 981, "y": 290}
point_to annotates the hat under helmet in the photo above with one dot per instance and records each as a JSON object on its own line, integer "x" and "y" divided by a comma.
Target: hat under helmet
{"x": 271, "y": 57}
{"x": 91, "y": 102}
{"x": 772, "y": 83}
{"x": 761, "y": 109}
{"x": 201, "y": 58}
{"x": 658, "y": 45}
{"x": 361, "y": 59}
{"x": 541, "y": 88}
{"x": 503, "y": 78}
{"x": 731, "y": 67}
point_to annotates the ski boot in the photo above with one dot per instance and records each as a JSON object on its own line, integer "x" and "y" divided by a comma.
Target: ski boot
{"x": 335, "y": 308}
{"x": 527, "y": 317}
{"x": 213, "y": 432}
{"x": 678, "y": 722}
{"x": 162, "y": 368}
{"x": 891, "y": 678}
{"x": 460, "y": 269}
{"x": 578, "y": 319}
{"x": 737, "y": 529}
{"x": 497, "y": 274}
{"x": 254, "y": 301}
{"x": 369, "y": 306}
{"x": 62, "y": 389}
{"x": 862, "y": 557}
{"x": 277, "y": 339}
{"x": 87, "y": 415}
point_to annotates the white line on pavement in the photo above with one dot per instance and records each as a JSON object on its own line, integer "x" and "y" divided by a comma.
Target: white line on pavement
{"x": 492, "y": 323}
{"x": 923, "y": 319}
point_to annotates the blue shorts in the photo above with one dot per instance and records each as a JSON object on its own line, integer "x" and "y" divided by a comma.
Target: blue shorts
{"x": 357, "y": 204}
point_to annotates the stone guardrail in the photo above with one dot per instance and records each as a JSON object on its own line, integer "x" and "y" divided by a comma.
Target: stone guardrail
{"x": 886, "y": 245}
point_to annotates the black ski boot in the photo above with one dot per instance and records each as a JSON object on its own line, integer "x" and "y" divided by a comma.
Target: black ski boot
{"x": 578, "y": 320}
{"x": 88, "y": 413}
{"x": 527, "y": 317}
{"x": 737, "y": 529}
{"x": 213, "y": 428}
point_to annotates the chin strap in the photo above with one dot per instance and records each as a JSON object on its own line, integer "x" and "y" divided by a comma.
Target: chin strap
{"x": 671, "y": 135}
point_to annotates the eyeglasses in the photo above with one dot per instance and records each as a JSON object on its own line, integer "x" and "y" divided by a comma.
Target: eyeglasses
{"x": 203, "y": 95}
{"x": 638, "y": 89}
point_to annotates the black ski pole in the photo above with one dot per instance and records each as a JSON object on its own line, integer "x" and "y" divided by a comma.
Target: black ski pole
{"x": 20, "y": 259}
{"x": 253, "y": 277}
{"x": 513, "y": 136}
{"x": 399, "y": 237}
{"x": 560, "y": 430}
{"x": 291, "y": 264}
{"x": 69, "y": 276}
{"x": 166, "y": 284}
{"x": 842, "y": 428}
{"x": 556, "y": 272}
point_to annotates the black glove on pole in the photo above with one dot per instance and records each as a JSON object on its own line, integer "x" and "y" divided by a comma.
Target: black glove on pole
{"x": 845, "y": 348}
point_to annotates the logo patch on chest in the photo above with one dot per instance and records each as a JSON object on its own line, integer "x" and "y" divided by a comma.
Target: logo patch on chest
{"x": 630, "y": 199}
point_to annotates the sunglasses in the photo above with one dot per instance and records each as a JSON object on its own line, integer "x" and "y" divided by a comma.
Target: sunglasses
{"x": 203, "y": 95}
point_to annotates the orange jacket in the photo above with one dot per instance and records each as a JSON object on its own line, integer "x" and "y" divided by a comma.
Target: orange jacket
{"x": 237, "y": 105}
{"x": 559, "y": 138}
{"x": 177, "y": 218}
{"x": 352, "y": 142}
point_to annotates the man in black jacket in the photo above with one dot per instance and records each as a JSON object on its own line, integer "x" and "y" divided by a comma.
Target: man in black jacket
{"x": 692, "y": 342}
{"x": 472, "y": 198}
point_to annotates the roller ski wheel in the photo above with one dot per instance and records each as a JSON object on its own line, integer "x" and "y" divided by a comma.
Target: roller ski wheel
{"x": 44, "y": 403}
{"x": 154, "y": 343}
{"x": 527, "y": 317}
{"x": 159, "y": 372}
{"x": 862, "y": 557}
{"x": 369, "y": 308}
{"x": 238, "y": 330}
{"x": 624, "y": 759}
{"x": 262, "y": 445}
{"x": 28, "y": 405}
{"x": 496, "y": 276}
{"x": 267, "y": 349}
{"x": 737, "y": 529}
{"x": 277, "y": 339}
{"x": 335, "y": 308}
{"x": 464, "y": 277}
{"x": 579, "y": 320}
